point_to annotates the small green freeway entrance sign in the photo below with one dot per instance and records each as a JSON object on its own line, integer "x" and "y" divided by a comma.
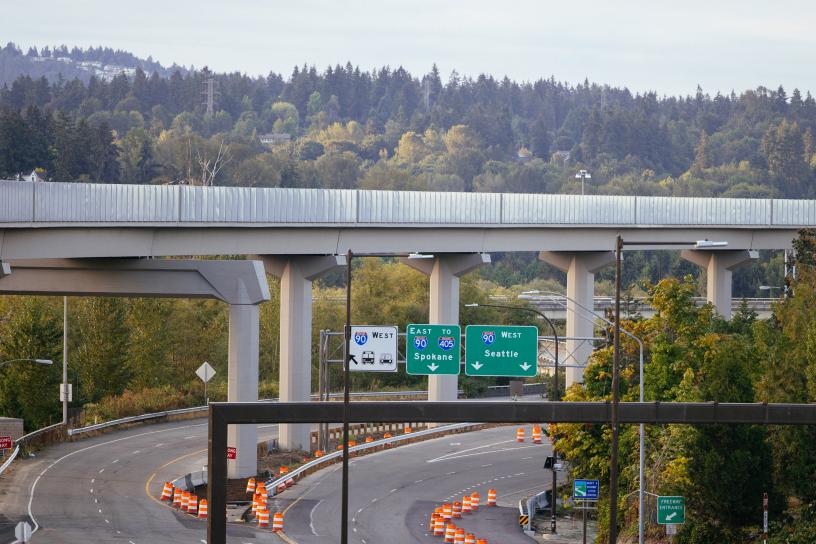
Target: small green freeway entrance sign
{"x": 493, "y": 350}
{"x": 433, "y": 349}
{"x": 671, "y": 510}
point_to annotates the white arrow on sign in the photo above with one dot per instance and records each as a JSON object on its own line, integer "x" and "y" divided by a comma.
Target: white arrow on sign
{"x": 433, "y": 367}
{"x": 671, "y": 516}
{"x": 525, "y": 366}
{"x": 477, "y": 365}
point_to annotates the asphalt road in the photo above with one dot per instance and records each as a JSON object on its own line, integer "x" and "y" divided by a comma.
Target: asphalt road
{"x": 104, "y": 489}
{"x": 393, "y": 492}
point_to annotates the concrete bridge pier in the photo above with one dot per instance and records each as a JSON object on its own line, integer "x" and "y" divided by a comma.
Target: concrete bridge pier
{"x": 580, "y": 267}
{"x": 296, "y": 274}
{"x": 241, "y": 284}
{"x": 719, "y": 266}
{"x": 444, "y": 272}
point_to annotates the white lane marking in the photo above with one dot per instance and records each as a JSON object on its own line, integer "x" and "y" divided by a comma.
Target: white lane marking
{"x": 491, "y": 464}
{"x": 526, "y": 458}
{"x": 360, "y": 510}
{"x": 93, "y": 480}
{"x": 96, "y": 501}
{"x": 188, "y": 438}
{"x": 131, "y": 542}
{"x": 311, "y": 518}
{"x": 114, "y": 461}
{"x": 444, "y": 457}
{"x": 418, "y": 481}
{"x": 107, "y": 521}
{"x": 101, "y": 470}
{"x": 100, "y": 510}
{"x": 92, "y": 491}
{"x": 46, "y": 469}
{"x": 479, "y": 453}
{"x": 159, "y": 445}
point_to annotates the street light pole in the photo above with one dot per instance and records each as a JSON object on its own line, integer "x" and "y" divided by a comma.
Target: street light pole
{"x": 65, "y": 361}
{"x": 613, "y": 458}
{"x": 346, "y": 399}
{"x": 26, "y": 359}
{"x": 583, "y": 175}
{"x": 642, "y": 427}
{"x": 555, "y": 397}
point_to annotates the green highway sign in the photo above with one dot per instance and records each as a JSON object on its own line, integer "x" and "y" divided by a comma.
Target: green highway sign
{"x": 671, "y": 510}
{"x": 495, "y": 350}
{"x": 433, "y": 349}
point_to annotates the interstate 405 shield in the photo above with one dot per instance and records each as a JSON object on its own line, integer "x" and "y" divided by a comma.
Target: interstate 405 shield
{"x": 433, "y": 349}
{"x": 495, "y": 350}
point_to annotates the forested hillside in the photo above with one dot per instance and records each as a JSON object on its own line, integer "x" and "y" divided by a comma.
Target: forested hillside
{"x": 388, "y": 129}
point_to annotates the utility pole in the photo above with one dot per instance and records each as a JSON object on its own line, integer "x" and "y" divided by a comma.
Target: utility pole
{"x": 613, "y": 458}
{"x": 65, "y": 387}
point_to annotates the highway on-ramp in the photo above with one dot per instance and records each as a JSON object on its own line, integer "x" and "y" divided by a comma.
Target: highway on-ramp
{"x": 104, "y": 489}
{"x": 393, "y": 492}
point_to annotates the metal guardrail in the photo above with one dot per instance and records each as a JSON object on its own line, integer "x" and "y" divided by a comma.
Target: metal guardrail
{"x": 8, "y": 461}
{"x": 272, "y": 484}
{"x": 182, "y": 411}
{"x": 28, "y": 438}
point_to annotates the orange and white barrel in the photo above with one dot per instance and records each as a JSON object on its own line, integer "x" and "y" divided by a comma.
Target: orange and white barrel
{"x": 203, "y": 509}
{"x": 481, "y": 541}
{"x": 284, "y": 469}
{"x": 261, "y": 489}
{"x": 177, "y": 497}
{"x": 450, "y": 533}
{"x": 255, "y": 504}
{"x": 447, "y": 511}
{"x": 456, "y": 510}
{"x": 439, "y": 526}
{"x": 185, "y": 499}
{"x": 408, "y": 430}
{"x": 474, "y": 500}
{"x": 277, "y": 522}
{"x": 432, "y": 522}
{"x": 387, "y": 435}
{"x": 459, "y": 537}
{"x": 192, "y": 505}
{"x": 369, "y": 439}
{"x": 466, "y": 504}
{"x": 263, "y": 517}
{"x": 470, "y": 538}
{"x": 167, "y": 492}
{"x": 536, "y": 435}
{"x": 520, "y": 434}
{"x": 319, "y": 453}
{"x": 250, "y": 488}
{"x": 491, "y": 497}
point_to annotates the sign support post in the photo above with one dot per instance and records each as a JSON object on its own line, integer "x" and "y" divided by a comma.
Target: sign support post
{"x": 346, "y": 398}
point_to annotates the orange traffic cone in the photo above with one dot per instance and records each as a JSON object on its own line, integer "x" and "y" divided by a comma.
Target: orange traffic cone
{"x": 459, "y": 538}
{"x": 167, "y": 492}
{"x": 387, "y": 435}
{"x": 408, "y": 430}
{"x": 319, "y": 453}
{"x": 470, "y": 538}
{"x": 263, "y": 517}
{"x": 520, "y": 434}
{"x": 481, "y": 541}
{"x": 450, "y": 533}
{"x": 203, "y": 509}
{"x": 466, "y": 509}
{"x": 474, "y": 501}
{"x": 491, "y": 497}
{"x": 284, "y": 469}
{"x": 277, "y": 522}
{"x": 369, "y": 439}
{"x": 250, "y": 488}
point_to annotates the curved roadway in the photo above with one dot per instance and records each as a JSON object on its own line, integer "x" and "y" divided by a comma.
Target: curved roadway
{"x": 393, "y": 492}
{"x": 104, "y": 489}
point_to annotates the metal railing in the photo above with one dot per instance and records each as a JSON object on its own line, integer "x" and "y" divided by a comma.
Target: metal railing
{"x": 8, "y": 461}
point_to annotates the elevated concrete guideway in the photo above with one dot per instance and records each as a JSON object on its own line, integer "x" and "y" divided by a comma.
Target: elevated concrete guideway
{"x": 300, "y": 234}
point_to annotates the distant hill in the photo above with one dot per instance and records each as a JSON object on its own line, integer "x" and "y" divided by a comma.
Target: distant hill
{"x": 52, "y": 62}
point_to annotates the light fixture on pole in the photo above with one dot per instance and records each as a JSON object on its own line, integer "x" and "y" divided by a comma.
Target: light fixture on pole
{"x": 583, "y": 175}
{"x": 35, "y": 361}
{"x": 555, "y": 395}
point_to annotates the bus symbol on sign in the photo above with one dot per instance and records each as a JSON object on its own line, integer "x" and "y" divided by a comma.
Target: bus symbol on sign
{"x": 360, "y": 338}
{"x": 488, "y": 337}
{"x": 420, "y": 342}
{"x": 446, "y": 342}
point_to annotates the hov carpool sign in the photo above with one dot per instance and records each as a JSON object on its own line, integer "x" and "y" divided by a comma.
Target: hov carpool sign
{"x": 433, "y": 349}
{"x": 671, "y": 510}
{"x": 373, "y": 348}
{"x": 493, "y": 350}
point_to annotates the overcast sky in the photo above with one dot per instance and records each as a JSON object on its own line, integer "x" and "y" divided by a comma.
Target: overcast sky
{"x": 666, "y": 46}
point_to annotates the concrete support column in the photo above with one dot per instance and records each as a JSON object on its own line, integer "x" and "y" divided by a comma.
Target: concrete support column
{"x": 242, "y": 385}
{"x": 444, "y": 272}
{"x": 718, "y": 266}
{"x": 295, "y": 380}
{"x": 580, "y": 268}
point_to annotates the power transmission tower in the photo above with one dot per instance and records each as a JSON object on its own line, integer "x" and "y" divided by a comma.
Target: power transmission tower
{"x": 209, "y": 92}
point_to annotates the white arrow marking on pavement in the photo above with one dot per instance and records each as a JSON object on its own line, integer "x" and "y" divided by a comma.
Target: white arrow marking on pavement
{"x": 477, "y": 365}
{"x": 525, "y": 366}
{"x": 433, "y": 367}
{"x": 671, "y": 516}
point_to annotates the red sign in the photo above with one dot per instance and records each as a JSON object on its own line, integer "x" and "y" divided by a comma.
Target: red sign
{"x": 6, "y": 443}
{"x": 232, "y": 453}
